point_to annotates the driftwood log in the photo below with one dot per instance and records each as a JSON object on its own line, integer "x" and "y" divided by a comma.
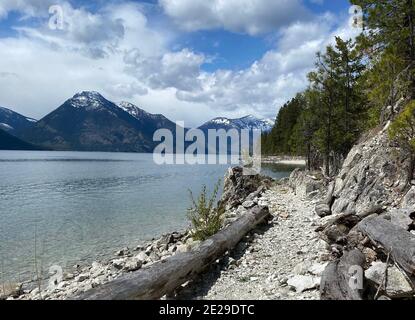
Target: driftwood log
{"x": 165, "y": 276}
{"x": 393, "y": 239}
{"x": 337, "y": 282}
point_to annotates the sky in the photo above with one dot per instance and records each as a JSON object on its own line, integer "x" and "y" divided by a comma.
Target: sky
{"x": 191, "y": 60}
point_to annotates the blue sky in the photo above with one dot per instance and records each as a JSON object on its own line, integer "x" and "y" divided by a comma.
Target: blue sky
{"x": 188, "y": 59}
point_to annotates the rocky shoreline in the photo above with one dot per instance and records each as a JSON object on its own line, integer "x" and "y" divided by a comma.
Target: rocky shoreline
{"x": 319, "y": 228}
{"x": 291, "y": 268}
{"x": 126, "y": 260}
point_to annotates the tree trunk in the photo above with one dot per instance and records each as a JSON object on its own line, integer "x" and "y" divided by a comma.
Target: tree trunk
{"x": 337, "y": 282}
{"x": 395, "y": 240}
{"x": 165, "y": 276}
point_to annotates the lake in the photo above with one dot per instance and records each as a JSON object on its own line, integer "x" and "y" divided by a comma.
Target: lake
{"x": 72, "y": 207}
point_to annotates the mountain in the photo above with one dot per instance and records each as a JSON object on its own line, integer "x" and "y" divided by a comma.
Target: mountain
{"x": 89, "y": 122}
{"x": 249, "y": 122}
{"x": 9, "y": 142}
{"x": 13, "y": 122}
{"x": 152, "y": 122}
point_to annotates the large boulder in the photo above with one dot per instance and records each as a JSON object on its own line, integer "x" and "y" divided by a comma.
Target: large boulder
{"x": 392, "y": 281}
{"x": 237, "y": 187}
{"x": 375, "y": 173}
{"x": 307, "y": 184}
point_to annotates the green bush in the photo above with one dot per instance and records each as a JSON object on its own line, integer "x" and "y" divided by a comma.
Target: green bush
{"x": 206, "y": 219}
{"x": 402, "y": 129}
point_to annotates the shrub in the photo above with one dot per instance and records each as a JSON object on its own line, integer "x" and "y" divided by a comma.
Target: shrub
{"x": 402, "y": 129}
{"x": 206, "y": 219}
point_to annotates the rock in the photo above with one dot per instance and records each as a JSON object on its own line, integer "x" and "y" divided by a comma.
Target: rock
{"x": 123, "y": 252}
{"x": 304, "y": 184}
{"x": 336, "y": 234}
{"x": 237, "y": 187}
{"x": 396, "y": 283}
{"x": 153, "y": 257}
{"x": 82, "y": 277}
{"x": 317, "y": 269}
{"x": 172, "y": 249}
{"x": 96, "y": 269}
{"x": 370, "y": 255}
{"x": 312, "y": 186}
{"x": 167, "y": 239}
{"x": 409, "y": 199}
{"x": 302, "y": 268}
{"x": 133, "y": 264}
{"x": 149, "y": 249}
{"x": 68, "y": 276}
{"x": 303, "y": 283}
{"x": 328, "y": 200}
{"x": 323, "y": 210}
{"x": 373, "y": 174}
{"x": 142, "y": 257}
{"x": 400, "y": 217}
{"x": 119, "y": 263}
{"x": 248, "y": 204}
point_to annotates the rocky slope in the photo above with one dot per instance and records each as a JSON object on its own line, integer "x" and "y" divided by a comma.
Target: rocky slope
{"x": 369, "y": 213}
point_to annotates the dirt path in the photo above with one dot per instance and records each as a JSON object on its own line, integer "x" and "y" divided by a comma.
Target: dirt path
{"x": 273, "y": 261}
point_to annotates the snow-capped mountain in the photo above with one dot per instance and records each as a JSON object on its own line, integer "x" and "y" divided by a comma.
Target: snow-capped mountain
{"x": 88, "y": 100}
{"x": 89, "y": 122}
{"x": 13, "y": 122}
{"x": 249, "y": 122}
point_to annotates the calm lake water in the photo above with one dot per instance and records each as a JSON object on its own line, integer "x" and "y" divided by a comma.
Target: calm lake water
{"x": 69, "y": 207}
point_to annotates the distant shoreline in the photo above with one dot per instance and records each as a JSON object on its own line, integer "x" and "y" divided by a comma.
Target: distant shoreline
{"x": 285, "y": 160}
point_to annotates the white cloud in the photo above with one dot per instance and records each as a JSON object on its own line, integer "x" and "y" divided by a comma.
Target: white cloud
{"x": 247, "y": 16}
{"x": 115, "y": 52}
{"x": 275, "y": 78}
{"x": 29, "y": 8}
{"x": 178, "y": 70}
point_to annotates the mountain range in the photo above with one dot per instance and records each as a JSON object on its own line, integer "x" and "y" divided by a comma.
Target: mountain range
{"x": 13, "y": 122}
{"x": 249, "y": 122}
{"x": 9, "y": 142}
{"x": 89, "y": 122}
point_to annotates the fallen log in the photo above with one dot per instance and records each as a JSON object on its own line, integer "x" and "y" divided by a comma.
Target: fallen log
{"x": 165, "y": 276}
{"x": 327, "y": 222}
{"x": 392, "y": 238}
{"x": 337, "y": 282}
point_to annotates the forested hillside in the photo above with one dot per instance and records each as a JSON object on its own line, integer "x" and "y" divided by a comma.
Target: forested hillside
{"x": 350, "y": 89}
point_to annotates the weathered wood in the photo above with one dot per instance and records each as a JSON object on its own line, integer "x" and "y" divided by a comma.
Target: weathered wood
{"x": 392, "y": 238}
{"x": 165, "y": 276}
{"x": 331, "y": 220}
{"x": 336, "y": 281}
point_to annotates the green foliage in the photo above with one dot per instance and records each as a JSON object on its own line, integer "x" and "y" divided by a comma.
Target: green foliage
{"x": 328, "y": 116}
{"x": 277, "y": 142}
{"x": 402, "y": 129}
{"x": 205, "y": 218}
{"x": 382, "y": 85}
{"x": 352, "y": 83}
